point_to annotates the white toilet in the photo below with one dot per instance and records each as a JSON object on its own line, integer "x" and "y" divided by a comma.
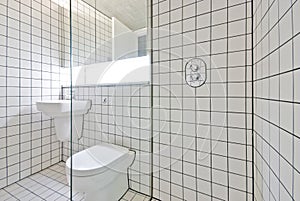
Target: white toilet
{"x": 101, "y": 172}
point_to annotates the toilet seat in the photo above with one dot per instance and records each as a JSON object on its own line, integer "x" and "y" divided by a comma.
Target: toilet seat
{"x": 89, "y": 162}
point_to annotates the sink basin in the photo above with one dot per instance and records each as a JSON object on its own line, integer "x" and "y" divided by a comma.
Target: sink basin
{"x": 60, "y": 111}
{"x": 55, "y": 108}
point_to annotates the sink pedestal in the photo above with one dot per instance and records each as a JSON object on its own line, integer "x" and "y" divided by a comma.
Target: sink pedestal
{"x": 63, "y": 128}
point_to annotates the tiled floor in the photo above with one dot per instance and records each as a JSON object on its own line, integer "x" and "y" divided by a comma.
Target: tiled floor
{"x": 51, "y": 185}
{"x": 134, "y": 196}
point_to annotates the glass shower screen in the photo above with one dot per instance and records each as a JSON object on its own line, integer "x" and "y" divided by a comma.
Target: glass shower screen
{"x": 110, "y": 94}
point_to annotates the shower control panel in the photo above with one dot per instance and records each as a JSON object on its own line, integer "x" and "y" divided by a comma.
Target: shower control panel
{"x": 195, "y": 72}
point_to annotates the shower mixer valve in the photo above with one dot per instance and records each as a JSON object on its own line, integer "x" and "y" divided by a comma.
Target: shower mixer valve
{"x": 195, "y": 72}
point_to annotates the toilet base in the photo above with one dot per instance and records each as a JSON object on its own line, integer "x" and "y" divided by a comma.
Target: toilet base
{"x": 112, "y": 192}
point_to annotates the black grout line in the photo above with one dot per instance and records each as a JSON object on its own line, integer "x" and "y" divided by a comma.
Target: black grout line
{"x": 227, "y": 105}
{"x": 41, "y": 82}
{"x": 196, "y": 117}
{"x": 20, "y": 131}
{"x": 31, "y": 59}
{"x": 269, "y": 97}
{"x": 246, "y": 100}
{"x": 279, "y": 92}
{"x": 6, "y": 112}
{"x": 182, "y": 117}
{"x": 169, "y": 101}
{"x": 210, "y": 103}
{"x": 293, "y": 98}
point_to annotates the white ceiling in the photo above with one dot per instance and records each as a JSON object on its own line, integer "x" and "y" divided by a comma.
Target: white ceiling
{"x": 132, "y": 13}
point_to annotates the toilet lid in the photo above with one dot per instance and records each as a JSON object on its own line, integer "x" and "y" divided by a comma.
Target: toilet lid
{"x": 96, "y": 159}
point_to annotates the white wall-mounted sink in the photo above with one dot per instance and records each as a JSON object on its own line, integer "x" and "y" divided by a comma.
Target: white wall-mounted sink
{"x": 60, "y": 111}
{"x": 55, "y": 108}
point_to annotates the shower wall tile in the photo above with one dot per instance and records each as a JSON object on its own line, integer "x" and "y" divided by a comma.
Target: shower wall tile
{"x": 120, "y": 115}
{"x": 276, "y": 111}
{"x": 30, "y": 71}
{"x": 202, "y": 136}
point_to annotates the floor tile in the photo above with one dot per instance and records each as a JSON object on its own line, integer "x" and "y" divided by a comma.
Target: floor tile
{"x": 51, "y": 185}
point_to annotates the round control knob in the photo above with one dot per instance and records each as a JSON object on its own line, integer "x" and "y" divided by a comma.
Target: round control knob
{"x": 195, "y": 77}
{"x": 194, "y": 67}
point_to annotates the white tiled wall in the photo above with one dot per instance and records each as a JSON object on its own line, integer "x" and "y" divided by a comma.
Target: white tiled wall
{"x": 202, "y": 137}
{"x": 34, "y": 45}
{"x": 91, "y": 35}
{"x": 276, "y": 96}
{"x": 29, "y": 72}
